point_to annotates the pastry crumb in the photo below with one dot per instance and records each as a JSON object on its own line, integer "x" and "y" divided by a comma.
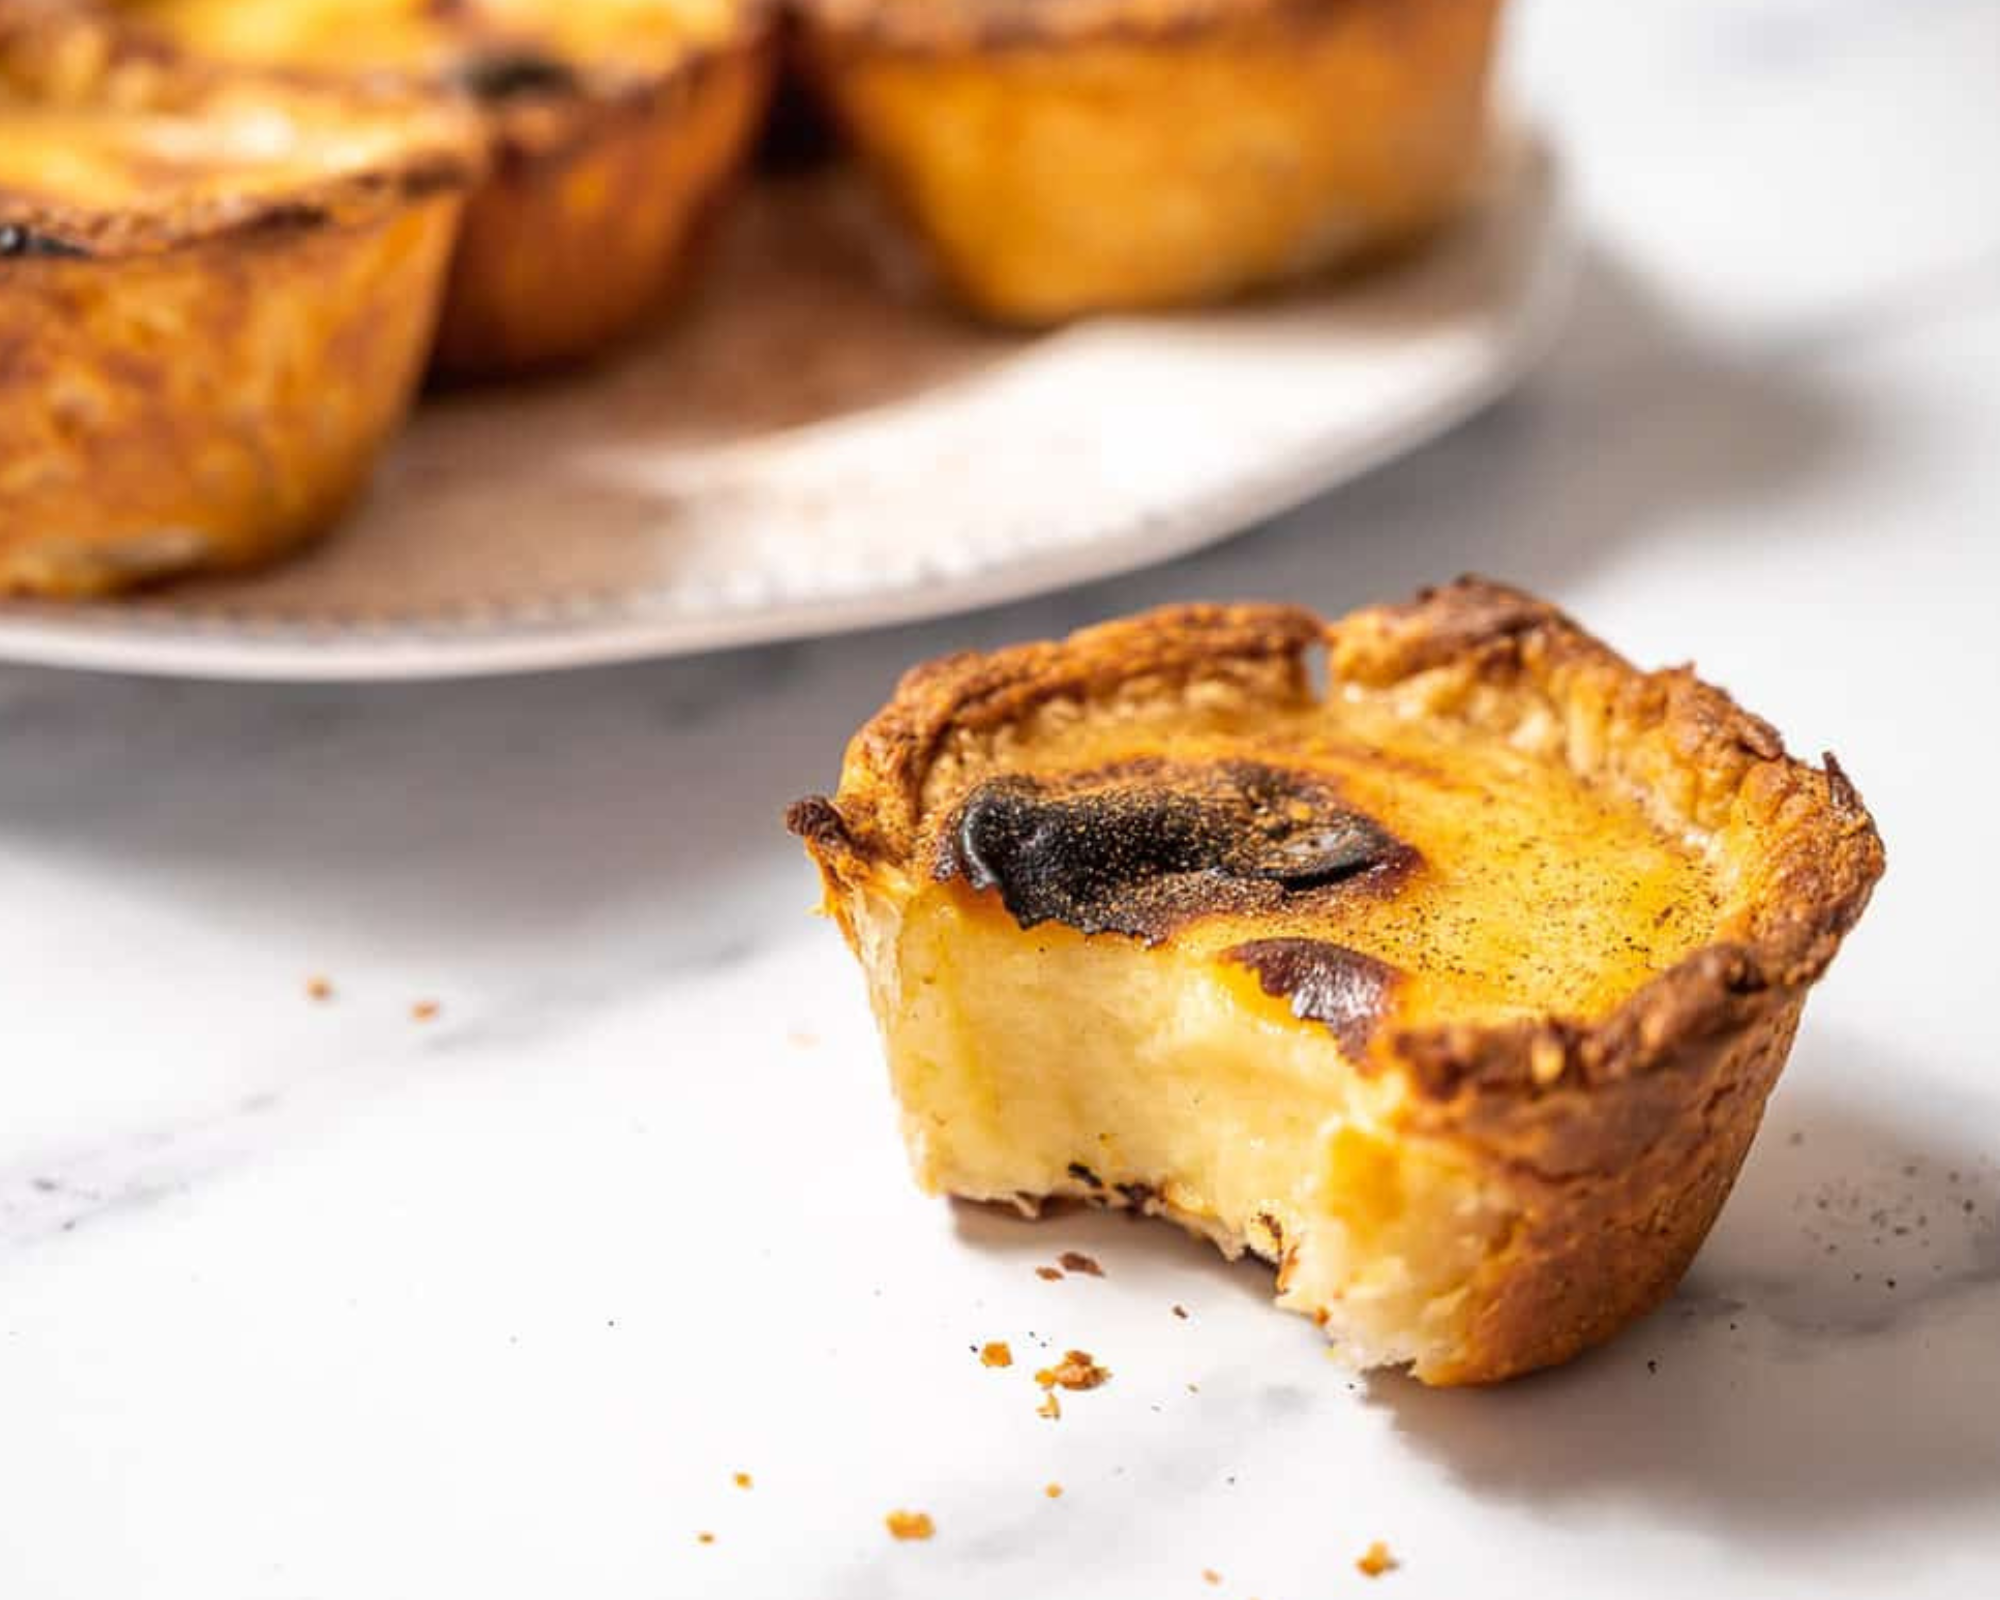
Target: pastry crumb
{"x": 1210, "y": 1575}
{"x": 424, "y": 1011}
{"x": 742, "y": 1479}
{"x": 704, "y": 1538}
{"x": 1181, "y": 1312}
{"x": 1053, "y": 1491}
{"x": 996, "y": 1353}
{"x": 1076, "y": 1261}
{"x": 1376, "y": 1560}
{"x": 910, "y": 1524}
{"x": 319, "y": 988}
{"x": 1050, "y": 1407}
{"x": 1076, "y": 1370}
{"x": 1050, "y": 1274}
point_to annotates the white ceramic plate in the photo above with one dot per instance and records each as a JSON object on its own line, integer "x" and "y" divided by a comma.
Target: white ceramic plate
{"x": 815, "y": 446}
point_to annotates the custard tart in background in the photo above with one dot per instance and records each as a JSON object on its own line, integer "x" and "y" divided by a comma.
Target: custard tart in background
{"x": 217, "y": 294}
{"x": 614, "y": 126}
{"x": 1453, "y": 987}
{"x": 1059, "y": 157}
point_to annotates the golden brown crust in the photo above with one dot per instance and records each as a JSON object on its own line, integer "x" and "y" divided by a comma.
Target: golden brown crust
{"x": 1620, "y": 1134}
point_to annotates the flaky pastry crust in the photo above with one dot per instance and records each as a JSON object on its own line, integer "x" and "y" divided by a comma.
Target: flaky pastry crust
{"x": 1617, "y": 1135}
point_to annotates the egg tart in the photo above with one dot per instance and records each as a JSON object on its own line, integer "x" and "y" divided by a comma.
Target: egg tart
{"x": 1067, "y": 156}
{"x": 216, "y": 298}
{"x": 1437, "y": 955}
{"x": 613, "y": 125}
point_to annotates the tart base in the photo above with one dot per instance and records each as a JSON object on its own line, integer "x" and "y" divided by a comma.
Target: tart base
{"x": 211, "y": 406}
{"x": 564, "y": 249}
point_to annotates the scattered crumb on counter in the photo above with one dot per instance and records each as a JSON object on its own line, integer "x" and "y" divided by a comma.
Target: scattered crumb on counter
{"x": 1077, "y": 1261}
{"x": 1050, "y": 1407}
{"x": 910, "y": 1524}
{"x": 1051, "y": 1274}
{"x": 704, "y": 1538}
{"x": 1053, "y": 1491}
{"x": 800, "y": 1039}
{"x": 1376, "y": 1560}
{"x": 424, "y": 1011}
{"x": 742, "y": 1479}
{"x": 1076, "y": 1370}
{"x": 1652, "y": 1365}
{"x": 1210, "y": 1575}
{"x": 1181, "y": 1312}
{"x": 996, "y": 1353}
{"x": 318, "y": 988}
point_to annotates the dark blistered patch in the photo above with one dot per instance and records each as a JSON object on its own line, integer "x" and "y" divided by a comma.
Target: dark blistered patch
{"x": 1324, "y": 982}
{"x": 509, "y": 74}
{"x": 816, "y": 820}
{"x": 18, "y": 240}
{"x": 1143, "y": 849}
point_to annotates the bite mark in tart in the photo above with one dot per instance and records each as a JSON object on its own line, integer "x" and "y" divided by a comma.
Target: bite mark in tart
{"x": 216, "y": 297}
{"x": 613, "y": 127}
{"x": 1454, "y": 990}
{"x": 1060, "y": 157}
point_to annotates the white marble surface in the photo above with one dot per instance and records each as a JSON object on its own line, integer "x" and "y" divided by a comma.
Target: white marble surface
{"x": 309, "y": 1301}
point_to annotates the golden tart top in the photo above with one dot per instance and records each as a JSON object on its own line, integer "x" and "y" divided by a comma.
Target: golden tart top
{"x": 1489, "y": 851}
{"x": 921, "y": 25}
{"x": 108, "y": 147}
{"x": 498, "y": 50}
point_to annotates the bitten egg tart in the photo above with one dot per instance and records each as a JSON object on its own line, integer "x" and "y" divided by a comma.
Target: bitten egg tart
{"x": 1454, "y": 988}
{"x": 613, "y": 125}
{"x": 216, "y": 298}
{"x": 1067, "y": 156}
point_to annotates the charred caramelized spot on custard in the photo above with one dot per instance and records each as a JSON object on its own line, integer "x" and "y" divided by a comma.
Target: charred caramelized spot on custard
{"x": 1325, "y": 982}
{"x": 510, "y": 74}
{"x": 1144, "y": 849}
{"x": 18, "y": 240}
